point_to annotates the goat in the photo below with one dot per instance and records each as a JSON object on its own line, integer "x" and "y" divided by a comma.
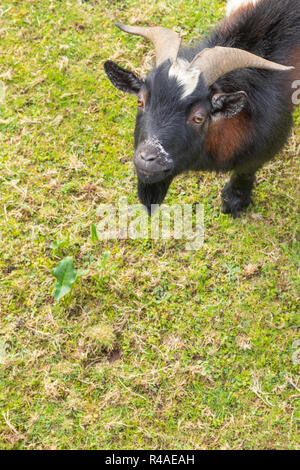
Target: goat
{"x": 224, "y": 104}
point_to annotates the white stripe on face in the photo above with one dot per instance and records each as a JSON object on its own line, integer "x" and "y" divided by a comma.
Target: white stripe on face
{"x": 188, "y": 78}
{"x": 233, "y": 5}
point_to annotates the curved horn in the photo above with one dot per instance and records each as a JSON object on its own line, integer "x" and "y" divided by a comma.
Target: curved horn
{"x": 165, "y": 41}
{"x": 215, "y": 62}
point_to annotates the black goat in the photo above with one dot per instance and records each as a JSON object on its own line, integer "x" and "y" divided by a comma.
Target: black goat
{"x": 224, "y": 104}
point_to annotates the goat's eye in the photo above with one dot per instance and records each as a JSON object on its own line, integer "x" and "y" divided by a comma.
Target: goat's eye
{"x": 198, "y": 118}
{"x": 140, "y": 103}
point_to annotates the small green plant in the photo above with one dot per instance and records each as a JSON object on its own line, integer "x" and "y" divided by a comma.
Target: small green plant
{"x": 94, "y": 234}
{"x": 66, "y": 276}
{"x": 60, "y": 246}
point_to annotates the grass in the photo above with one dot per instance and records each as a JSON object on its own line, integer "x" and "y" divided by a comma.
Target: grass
{"x": 162, "y": 348}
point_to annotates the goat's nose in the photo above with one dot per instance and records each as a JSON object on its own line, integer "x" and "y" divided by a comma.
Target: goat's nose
{"x": 147, "y": 156}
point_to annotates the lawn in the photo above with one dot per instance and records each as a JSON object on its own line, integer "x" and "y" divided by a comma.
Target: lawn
{"x": 155, "y": 347}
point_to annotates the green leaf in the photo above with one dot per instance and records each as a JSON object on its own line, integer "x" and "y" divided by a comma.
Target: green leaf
{"x": 65, "y": 275}
{"x": 94, "y": 234}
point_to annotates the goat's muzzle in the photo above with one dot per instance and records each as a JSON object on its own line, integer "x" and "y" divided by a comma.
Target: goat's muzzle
{"x": 152, "y": 164}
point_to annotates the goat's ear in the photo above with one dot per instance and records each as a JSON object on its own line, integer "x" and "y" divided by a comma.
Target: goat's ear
{"x": 228, "y": 105}
{"x": 123, "y": 79}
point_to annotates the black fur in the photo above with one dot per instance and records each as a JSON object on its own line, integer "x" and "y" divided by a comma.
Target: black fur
{"x": 237, "y": 194}
{"x": 153, "y": 194}
{"x": 271, "y": 30}
{"x": 122, "y": 79}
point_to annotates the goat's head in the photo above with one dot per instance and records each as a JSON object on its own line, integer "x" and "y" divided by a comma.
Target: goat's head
{"x": 177, "y": 102}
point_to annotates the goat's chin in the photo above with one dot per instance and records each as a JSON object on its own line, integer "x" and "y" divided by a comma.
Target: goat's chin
{"x": 153, "y": 194}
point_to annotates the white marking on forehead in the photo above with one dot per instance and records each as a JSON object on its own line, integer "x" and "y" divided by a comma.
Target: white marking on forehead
{"x": 186, "y": 77}
{"x": 154, "y": 142}
{"x": 233, "y": 5}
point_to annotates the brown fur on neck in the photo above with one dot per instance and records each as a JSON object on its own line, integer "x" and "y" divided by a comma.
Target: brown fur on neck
{"x": 227, "y": 137}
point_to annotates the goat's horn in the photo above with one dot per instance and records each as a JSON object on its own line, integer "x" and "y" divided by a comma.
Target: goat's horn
{"x": 165, "y": 41}
{"x": 215, "y": 62}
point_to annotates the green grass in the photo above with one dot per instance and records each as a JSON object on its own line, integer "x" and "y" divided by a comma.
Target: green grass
{"x": 164, "y": 348}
